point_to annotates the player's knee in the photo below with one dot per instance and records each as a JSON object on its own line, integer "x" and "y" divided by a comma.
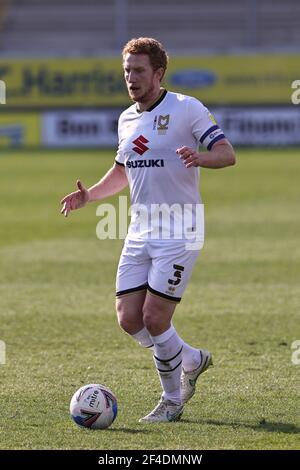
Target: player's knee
{"x": 151, "y": 319}
{"x": 121, "y": 315}
{"x": 125, "y": 319}
{"x": 126, "y": 324}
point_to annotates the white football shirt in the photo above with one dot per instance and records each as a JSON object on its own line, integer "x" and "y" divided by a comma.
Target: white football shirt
{"x": 165, "y": 199}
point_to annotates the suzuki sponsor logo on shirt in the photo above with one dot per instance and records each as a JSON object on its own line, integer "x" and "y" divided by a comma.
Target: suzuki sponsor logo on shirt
{"x": 140, "y": 148}
{"x": 158, "y": 163}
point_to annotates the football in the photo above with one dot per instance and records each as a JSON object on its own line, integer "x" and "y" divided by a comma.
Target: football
{"x": 94, "y": 406}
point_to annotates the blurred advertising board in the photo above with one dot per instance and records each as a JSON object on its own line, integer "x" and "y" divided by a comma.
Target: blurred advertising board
{"x": 20, "y": 130}
{"x": 80, "y": 129}
{"x": 235, "y": 80}
{"x": 255, "y": 126}
{"x": 243, "y": 126}
{"x": 98, "y": 82}
{"x": 260, "y": 126}
{"x": 63, "y": 82}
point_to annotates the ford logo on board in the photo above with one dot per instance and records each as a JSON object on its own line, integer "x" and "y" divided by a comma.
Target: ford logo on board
{"x": 193, "y": 78}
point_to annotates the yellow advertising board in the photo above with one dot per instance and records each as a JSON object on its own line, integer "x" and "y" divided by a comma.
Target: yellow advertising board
{"x": 64, "y": 82}
{"x": 19, "y": 130}
{"x": 98, "y": 82}
{"x": 236, "y": 80}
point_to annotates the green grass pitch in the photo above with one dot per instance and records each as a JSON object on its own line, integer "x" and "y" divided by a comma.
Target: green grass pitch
{"x": 59, "y": 325}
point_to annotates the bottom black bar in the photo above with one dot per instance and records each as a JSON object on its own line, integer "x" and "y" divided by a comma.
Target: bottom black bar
{"x": 134, "y": 458}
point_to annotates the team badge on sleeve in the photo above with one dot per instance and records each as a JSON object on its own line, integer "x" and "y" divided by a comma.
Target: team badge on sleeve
{"x": 211, "y": 117}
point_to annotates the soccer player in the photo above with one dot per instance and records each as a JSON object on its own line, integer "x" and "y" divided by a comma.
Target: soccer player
{"x": 158, "y": 157}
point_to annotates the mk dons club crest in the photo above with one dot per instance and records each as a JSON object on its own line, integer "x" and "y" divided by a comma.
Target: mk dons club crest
{"x": 161, "y": 123}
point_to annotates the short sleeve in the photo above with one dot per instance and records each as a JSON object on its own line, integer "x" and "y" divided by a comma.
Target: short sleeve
{"x": 204, "y": 127}
{"x": 120, "y": 158}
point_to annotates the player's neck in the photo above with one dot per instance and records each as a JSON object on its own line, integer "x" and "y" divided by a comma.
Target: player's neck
{"x": 144, "y": 106}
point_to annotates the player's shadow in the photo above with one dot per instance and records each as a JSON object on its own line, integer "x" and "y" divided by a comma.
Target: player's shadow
{"x": 129, "y": 430}
{"x": 263, "y": 425}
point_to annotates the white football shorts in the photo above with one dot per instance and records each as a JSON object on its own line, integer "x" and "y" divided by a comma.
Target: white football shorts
{"x": 162, "y": 267}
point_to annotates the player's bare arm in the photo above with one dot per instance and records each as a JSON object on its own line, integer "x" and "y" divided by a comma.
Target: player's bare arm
{"x": 220, "y": 156}
{"x": 112, "y": 182}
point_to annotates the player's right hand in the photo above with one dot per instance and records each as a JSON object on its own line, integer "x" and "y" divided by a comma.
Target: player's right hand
{"x": 75, "y": 200}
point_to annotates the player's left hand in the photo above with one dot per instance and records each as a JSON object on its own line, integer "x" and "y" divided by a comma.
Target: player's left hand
{"x": 189, "y": 156}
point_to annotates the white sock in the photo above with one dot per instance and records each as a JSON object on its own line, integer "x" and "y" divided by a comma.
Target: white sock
{"x": 190, "y": 355}
{"x": 168, "y": 359}
{"x": 144, "y": 338}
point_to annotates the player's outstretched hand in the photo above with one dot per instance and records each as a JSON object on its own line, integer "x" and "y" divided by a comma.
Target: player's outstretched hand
{"x": 189, "y": 156}
{"x": 75, "y": 200}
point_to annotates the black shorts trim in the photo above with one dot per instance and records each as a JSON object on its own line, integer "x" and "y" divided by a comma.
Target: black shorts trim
{"x": 164, "y": 296}
{"x": 130, "y": 291}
